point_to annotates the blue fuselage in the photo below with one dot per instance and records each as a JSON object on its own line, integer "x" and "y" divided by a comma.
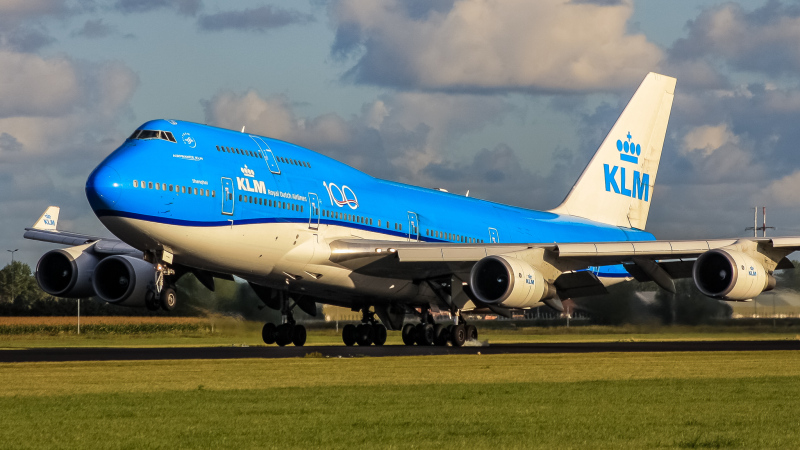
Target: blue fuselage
{"x": 211, "y": 177}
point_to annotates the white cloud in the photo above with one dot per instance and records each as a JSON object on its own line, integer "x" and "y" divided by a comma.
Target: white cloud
{"x": 784, "y": 190}
{"x": 543, "y": 45}
{"x": 58, "y": 120}
{"x": 707, "y": 138}
{"x": 26, "y": 8}
{"x": 34, "y": 86}
{"x": 405, "y": 130}
{"x": 762, "y": 40}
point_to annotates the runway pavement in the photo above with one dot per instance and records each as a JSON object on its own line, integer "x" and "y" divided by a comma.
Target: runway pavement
{"x": 271, "y": 352}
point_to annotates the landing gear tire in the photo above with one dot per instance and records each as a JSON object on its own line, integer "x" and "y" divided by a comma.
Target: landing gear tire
{"x": 424, "y": 334}
{"x": 168, "y": 299}
{"x": 269, "y": 333}
{"x": 440, "y": 335}
{"x": 299, "y": 336}
{"x": 284, "y": 335}
{"x": 349, "y": 334}
{"x": 458, "y": 335}
{"x": 379, "y": 334}
{"x": 409, "y": 334}
{"x": 150, "y": 301}
{"x": 472, "y": 332}
{"x": 364, "y": 335}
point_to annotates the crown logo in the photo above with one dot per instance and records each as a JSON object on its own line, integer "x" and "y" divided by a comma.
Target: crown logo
{"x": 628, "y": 151}
{"x": 248, "y": 172}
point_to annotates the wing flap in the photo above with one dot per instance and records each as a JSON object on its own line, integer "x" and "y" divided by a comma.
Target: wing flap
{"x": 579, "y": 284}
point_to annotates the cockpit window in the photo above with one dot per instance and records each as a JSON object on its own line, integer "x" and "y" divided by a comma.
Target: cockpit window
{"x": 153, "y": 134}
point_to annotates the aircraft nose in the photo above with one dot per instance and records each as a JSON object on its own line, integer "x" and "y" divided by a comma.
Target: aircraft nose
{"x": 103, "y": 187}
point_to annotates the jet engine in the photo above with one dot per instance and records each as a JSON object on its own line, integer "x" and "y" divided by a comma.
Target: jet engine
{"x": 509, "y": 282}
{"x": 123, "y": 280}
{"x": 67, "y": 272}
{"x": 730, "y": 275}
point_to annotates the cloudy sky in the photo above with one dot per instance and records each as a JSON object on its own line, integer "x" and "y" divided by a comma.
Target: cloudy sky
{"x": 506, "y": 98}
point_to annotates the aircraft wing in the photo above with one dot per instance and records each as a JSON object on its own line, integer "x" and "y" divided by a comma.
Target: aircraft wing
{"x": 45, "y": 229}
{"x": 659, "y": 261}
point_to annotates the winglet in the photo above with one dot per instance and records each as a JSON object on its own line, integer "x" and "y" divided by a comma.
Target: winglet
{"x": 48, "y": 220}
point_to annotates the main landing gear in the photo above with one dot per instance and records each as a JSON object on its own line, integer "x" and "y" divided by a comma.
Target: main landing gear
{"x": 368, "y": 332}
{"x": 162, "y": 293}
{"x": 288, "y": 332}
{"x": 428, "y": 332}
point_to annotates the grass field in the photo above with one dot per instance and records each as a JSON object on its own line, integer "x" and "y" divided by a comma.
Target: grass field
{"x": 663, "y": 400}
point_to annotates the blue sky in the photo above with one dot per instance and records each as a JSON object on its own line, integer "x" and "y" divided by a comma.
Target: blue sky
{"x": 508, "y": 99}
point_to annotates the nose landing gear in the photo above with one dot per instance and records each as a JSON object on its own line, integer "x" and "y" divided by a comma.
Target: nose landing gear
{"x": 162, "y": 293}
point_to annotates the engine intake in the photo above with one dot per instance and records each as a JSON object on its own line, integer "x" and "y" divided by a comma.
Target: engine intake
{"x": 510, "y": 282}
{"x": 67, "y": 272}
{"x": 730, "y": 275}
{"x": 123, "y": 280}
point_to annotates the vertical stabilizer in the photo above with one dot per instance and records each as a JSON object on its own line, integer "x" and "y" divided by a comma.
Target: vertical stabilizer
{"x": 617, "y": 186}
{"x": 48, "y": 220}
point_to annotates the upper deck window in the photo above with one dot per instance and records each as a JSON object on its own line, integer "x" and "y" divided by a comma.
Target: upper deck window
{"x": 153, "y": 134}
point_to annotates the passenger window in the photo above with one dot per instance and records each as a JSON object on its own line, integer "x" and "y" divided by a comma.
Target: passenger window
{"x": 218, "y": 148}
{"x": 379, "y": 222}
{"x": 213, "y": 194}
{"x": 183, "y": 189}
{"x": 144, "y": 185}
{"x": 150, "y": 185}
{"x": 170, "y": 188}
{"x": 195, "y": 191}
{"x": 158, "y": 187}
{"x": 135, "y": 183}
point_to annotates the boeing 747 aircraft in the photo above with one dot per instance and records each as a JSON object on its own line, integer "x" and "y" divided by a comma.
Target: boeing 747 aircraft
{"x": 302, "y": 229}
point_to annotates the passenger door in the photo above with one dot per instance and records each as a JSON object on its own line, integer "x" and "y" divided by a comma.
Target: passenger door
{"x": 313, "y": 211}
{"x": 413, "y": 226}
{"x": 227, "y": 196}
{"x": 266, "y": 153}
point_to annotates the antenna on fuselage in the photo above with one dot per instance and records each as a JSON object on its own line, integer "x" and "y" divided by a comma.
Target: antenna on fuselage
{"x": 243, "y": 128}
{"x": 467, "y": 194}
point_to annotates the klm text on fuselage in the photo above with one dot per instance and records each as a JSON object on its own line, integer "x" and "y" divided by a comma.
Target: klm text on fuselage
{"x": 637, "y": 186}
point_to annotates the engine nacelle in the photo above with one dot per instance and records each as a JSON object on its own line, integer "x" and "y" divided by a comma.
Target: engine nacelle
{"x": 509, "y": 282}
{"x": 123, "y": 280}
{"x": 730, "y": 275}
{"x": 67, "y": 272}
